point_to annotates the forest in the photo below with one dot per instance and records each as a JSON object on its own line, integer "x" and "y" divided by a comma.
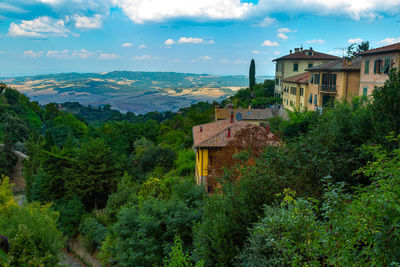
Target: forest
{"x": 123, "y": 184}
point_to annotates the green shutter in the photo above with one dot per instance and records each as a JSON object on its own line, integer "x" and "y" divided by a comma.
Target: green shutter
{"x": 366, "y": 69}
{"x": 365, "y": 91}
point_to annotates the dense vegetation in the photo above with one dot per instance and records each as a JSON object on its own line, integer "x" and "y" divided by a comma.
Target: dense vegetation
{"x": 124, "y": 185}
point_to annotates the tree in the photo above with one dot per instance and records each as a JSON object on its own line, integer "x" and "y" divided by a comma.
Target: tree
{"x": 94, "y": 173}
{"x": 363, "y": 46}
{"x": 252, "y": 77}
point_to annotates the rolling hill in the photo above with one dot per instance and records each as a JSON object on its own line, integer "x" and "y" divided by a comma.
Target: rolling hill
{"x": 138, "y": 92}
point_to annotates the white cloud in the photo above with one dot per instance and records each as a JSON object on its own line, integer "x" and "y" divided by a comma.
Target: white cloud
{"x": 189, "y": 40}
{"x": 354, "y": 40}
{"x": 127, "y": 45}
{"x": 141, "y": 11}
{"x": 255, "y": 52}
{"x": 169, "y": 42}
{"x": 40, "y": 27}
{"x": 335, "y": 53}
{"x": 175, "y": 60}
{"x": 83, "y": 53}
{"x": 33, "y": 54}
{"x": 58, "y": 54}
{"x": 282, "y": 36}
{"x": 142, "y": 46}
{"x": 389, "y": 41}
{"x": 266, "y": 22}
{"x": 315, "y": 41}
{"x": 108, "y": 56}
{"x": 144, "y": 57}
{"x": 285, "y": 30}
{"x": 269, "y": 43}
{"x": 240, "y": 61}
{"x": 276, "y": 52}
{"x": 10, "y": 8}
{"x": 205, "y": 58}
{"x": 83, "y": 22}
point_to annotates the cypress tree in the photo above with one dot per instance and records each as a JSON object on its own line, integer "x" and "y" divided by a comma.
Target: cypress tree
{"x": 252, "y": 77}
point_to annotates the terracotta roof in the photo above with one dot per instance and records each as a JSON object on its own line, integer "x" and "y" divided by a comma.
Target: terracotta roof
{"x": 247, "y": 114}
{"x": 215, "y": 134}
{"x": 299, "y": 78}
{"x": 383, "y": 49}
{"x": 303, "y": 54}
{"x": 339, "y": 65}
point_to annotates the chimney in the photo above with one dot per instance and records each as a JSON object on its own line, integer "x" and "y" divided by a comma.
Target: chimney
{"x": 229, "y": 132}
{"x": 232, "y": 119}
{"x": 201, "y": 128}
{"x": 301, "y": 49}
{"x": 290, "y": 51}
{"x": 296, "y": 50}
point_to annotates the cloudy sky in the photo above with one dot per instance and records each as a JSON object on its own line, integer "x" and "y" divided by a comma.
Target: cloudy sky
{"x": 196, "y": 36}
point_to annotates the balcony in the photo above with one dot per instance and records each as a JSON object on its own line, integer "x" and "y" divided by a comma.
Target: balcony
{"x": 328, "y": 88}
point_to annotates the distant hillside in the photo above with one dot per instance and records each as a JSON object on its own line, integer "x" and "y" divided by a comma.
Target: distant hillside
{"x": 138, "y": 92}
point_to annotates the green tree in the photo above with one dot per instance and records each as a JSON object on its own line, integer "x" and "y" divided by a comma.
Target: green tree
{"x": 94, "y": 173}
{"x": 252, "y": 77}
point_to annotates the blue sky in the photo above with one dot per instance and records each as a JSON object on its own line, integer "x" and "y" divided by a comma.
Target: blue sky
{"x": 207, "y": 36}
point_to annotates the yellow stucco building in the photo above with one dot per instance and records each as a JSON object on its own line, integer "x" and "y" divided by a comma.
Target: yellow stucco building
{"x": 334, "y": 80}
{"x": 295, "y": 88}
{"x": 297, "y": 63}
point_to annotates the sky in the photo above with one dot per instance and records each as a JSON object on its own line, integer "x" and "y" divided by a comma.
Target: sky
{"x": 193, "y": 36}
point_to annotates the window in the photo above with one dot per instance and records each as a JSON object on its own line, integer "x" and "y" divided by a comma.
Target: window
{"x": 312, "y": 78}
{"x": 310, "y": 99}
{"x": 366, "y": 67}
{"x": 310, "y": 65}
{"x": 293, "y": 90}
{"x": 365, "y": 91}
{"x": 328, "y": 82}
{"x": 315, "y": 100}
{"x": 386, "y": 67}
{"x": 295, "y": 67}
{"x": 378, "y": 66}
{"x": 277, "y": 81}
{"x": 316, "y": 78}
{"x": 310, "y": 53}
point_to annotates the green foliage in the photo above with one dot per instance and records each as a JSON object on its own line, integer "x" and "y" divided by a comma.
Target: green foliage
{"x": 31, "y": 231}
{"x": 252, "y": 76}
{"x": 177, "y": 257}
{"x": 71, "y": 212}
{"x": 93, "y": 231}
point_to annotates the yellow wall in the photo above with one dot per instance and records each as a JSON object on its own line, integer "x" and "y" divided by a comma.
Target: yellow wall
{"x": 297, "y": 100}
{"x": 201, "y": 164}
{"x": 287, "y": 70}
{"x": 347, "y": 86}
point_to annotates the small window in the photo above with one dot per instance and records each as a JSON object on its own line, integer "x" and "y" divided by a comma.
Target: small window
{"x": 316, "y": 79}
{"x": 366, "y": 67}
{"x": 386, "y": 67}
{"x": 315, "y": 100}
{"x": 312, "y": 78}
{"x": 378, "y": 66}
{"x": 310, "y": 65}
{"x": 310, "y": 99}
{"x": 295, "y": 67}
{"x": 365, "y": 91}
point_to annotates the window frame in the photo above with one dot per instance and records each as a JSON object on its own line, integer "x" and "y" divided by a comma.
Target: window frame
{"x": 295, "y": 66}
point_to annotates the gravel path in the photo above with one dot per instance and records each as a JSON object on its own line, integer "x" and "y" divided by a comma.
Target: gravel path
{"x": 70, "y": 260}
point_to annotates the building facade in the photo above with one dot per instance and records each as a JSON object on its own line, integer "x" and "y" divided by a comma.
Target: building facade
{"x": 295, "y": 88}
{"x": 215, "y": 144}
{"x": 296, "y": 63}
{"x": 253, "y": 116}
{"x": 375, "y": 67}
{"x": 338, "y": 80}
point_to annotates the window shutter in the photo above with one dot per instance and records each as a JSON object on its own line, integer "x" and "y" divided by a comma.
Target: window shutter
{"x": 315, "y": 100}
{"x": 375, "y": 63}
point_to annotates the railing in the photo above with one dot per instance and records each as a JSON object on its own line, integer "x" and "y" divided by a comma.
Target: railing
{"x": 328, "y": 87}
